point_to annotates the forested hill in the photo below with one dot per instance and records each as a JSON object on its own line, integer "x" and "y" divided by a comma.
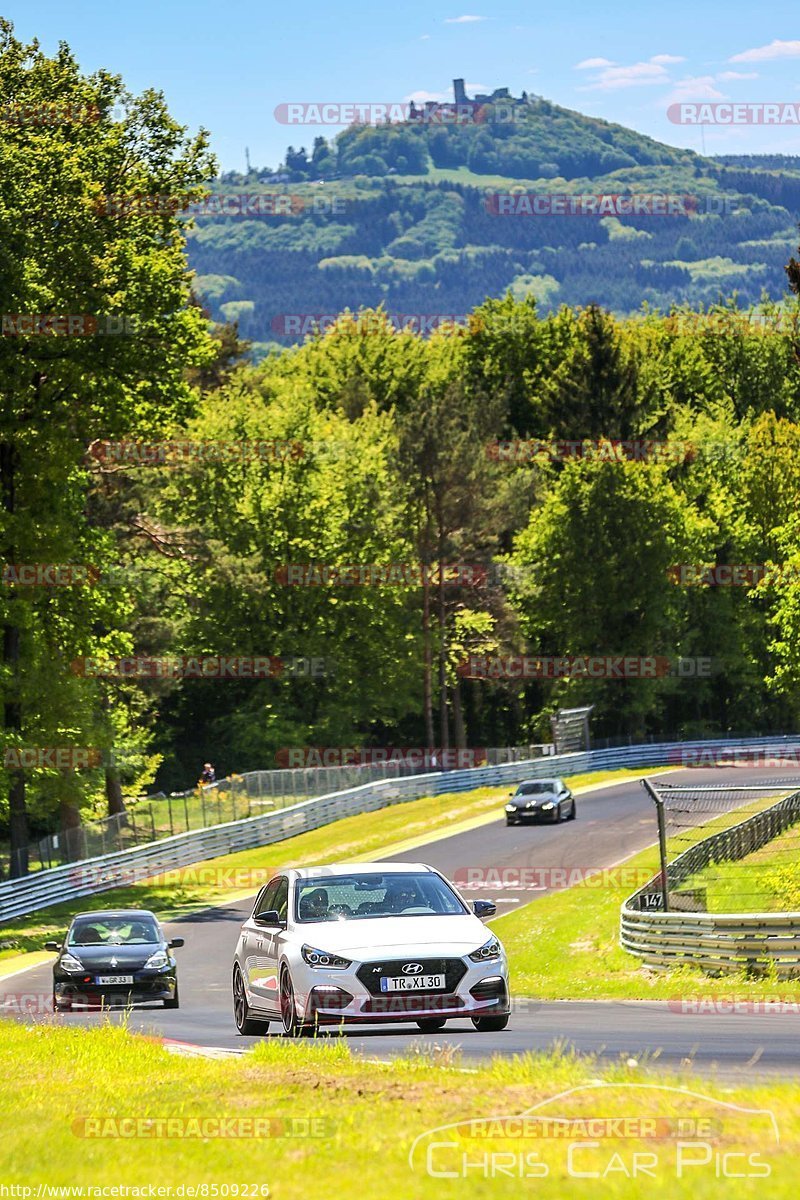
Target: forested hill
{"x": 412, "y": 215}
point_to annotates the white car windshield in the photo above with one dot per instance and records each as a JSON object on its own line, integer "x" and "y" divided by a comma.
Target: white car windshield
{"x": 359, "y": 897}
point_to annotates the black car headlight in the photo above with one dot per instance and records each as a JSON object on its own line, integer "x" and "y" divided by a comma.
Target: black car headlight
{"x": 487, "y": 952}
{"x": 321, "y": 958}
{"x": 157, "y": 961}
{"x": 69, "y": 963}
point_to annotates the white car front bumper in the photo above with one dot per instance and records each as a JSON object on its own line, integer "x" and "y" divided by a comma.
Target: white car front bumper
{"x": 354, "y": 993}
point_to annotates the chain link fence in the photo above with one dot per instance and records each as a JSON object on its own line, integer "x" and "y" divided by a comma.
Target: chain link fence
{"x": 162, "y": 815}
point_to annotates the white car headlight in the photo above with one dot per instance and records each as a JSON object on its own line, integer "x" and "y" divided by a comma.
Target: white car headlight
{"x": 511, "y": 808}
{"x": 157, "y": 961}
{"x": 321, "y": 958}
{"x": 70, "y": 963}
{"x": 488, "y": 951}
{"x": 549, "y": 804}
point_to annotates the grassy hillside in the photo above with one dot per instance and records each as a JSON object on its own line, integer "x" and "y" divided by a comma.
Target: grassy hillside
{"x": 406, "y": 215}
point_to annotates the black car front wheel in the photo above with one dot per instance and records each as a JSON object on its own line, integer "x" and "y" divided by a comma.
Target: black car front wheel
{"x": 175, "y": 1001}
{"x": 247, "y": 1026}
{"x": 490, "y": 1024}
{"x": 572, "y": 812}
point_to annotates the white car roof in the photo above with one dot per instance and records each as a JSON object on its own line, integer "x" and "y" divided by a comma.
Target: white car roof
{"x": 359, "y": 868}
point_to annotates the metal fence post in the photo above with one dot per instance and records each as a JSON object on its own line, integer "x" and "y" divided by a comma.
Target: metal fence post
{"x": 662, "y": 839}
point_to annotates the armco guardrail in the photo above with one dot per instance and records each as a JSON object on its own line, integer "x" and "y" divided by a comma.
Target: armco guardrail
{"x": 43, "y": 888}
{"x": 161, "y": 815}
{"x": 718, "y": 943}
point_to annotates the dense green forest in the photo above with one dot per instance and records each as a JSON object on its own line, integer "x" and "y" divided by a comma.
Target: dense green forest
{"x": 570, "y": 468}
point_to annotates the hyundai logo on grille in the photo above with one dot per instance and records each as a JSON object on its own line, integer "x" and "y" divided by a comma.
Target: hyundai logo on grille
{"x": 412, "y": 968}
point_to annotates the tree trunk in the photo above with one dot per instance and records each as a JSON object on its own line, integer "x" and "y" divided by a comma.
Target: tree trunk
{"x": 427, "y": 689}
{"x": 71, "y": 832}
{"x": 459, "y": 730}
{"x": 444, "y": 724}
{"x": 18, "y": 825}
{"x": 114, "y": 801}
{"x": 12, "y": 710}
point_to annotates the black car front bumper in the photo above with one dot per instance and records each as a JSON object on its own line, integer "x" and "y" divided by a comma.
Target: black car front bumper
{"x": 146, "y": 988}
{"x": 550, "y": 815}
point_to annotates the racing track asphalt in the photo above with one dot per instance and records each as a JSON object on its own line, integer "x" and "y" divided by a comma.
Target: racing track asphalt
{"x": 612, "y": 823}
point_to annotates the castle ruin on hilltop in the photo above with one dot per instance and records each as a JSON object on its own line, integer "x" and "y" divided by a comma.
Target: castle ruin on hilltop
{"x": 462, "y": 102}
{"x": 461, "y": 97}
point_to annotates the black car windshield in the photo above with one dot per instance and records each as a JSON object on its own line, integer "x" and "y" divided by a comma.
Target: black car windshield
{"x": 360, "y": 897}
{"x": 113, "y": 931}
{"x": 533, "y": 789}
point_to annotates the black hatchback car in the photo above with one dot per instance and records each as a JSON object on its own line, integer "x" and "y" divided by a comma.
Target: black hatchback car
{"x": 540, "y": 800}
{"x": 114, "y": 957}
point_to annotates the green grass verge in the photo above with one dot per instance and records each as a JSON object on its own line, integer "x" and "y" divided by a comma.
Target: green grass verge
{"x": 234, "y": 876}
{"x": 69, "y": 1093}
{"x": 766, "y": 881}
{"x": 566, "y": 944}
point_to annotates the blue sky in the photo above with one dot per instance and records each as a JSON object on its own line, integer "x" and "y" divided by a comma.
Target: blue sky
{"x": 227, "y": 66}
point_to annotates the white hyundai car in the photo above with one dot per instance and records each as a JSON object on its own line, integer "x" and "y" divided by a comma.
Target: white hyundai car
{"x": 370, "y": 942}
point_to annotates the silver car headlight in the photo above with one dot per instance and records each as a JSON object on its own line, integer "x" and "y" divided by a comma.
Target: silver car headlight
{"x": 71, "y": 964}
{"x": 487, "y": 952}
{"x": 157, "y": 961}
{"x": 321, "y": 958}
